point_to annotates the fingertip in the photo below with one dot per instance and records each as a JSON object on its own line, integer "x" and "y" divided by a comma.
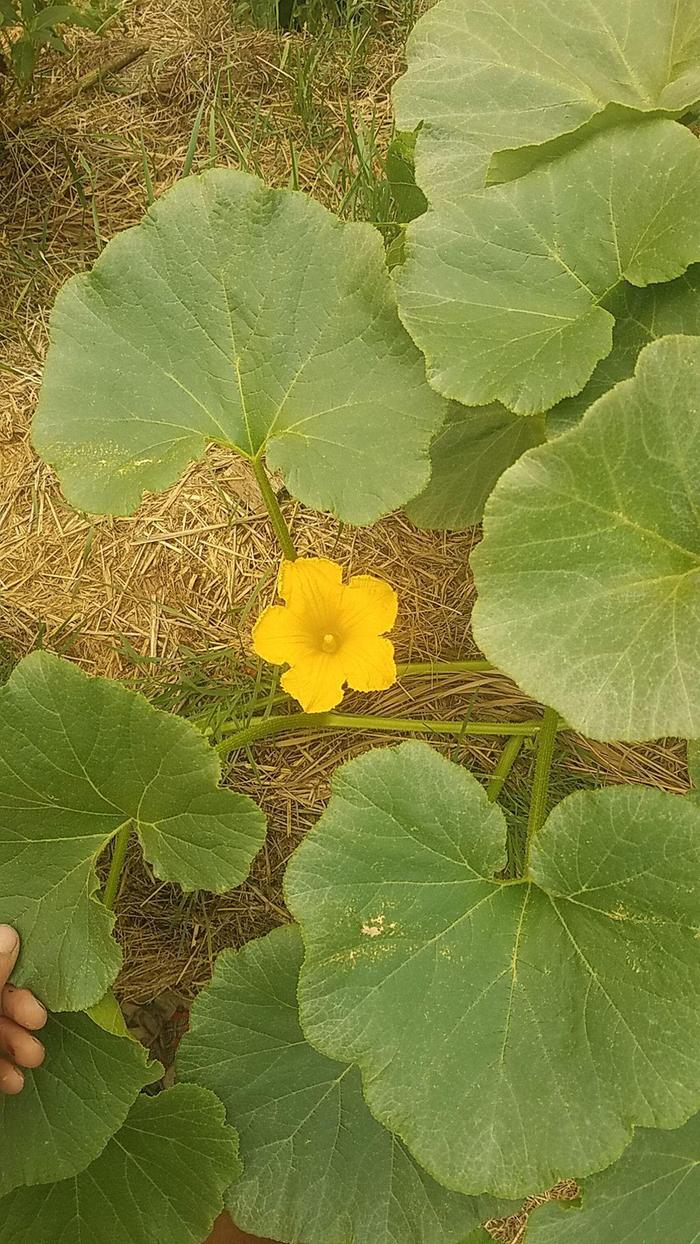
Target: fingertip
{"x": 32, "y": 1054}
{"x": 39, "y": 1017}
{"x": 11, "y": 1079}
{"x": 9, "y": 942}
{"x": 23, "y": 1007}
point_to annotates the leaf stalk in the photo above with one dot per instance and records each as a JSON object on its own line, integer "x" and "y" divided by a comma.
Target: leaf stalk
{"x": 540, "y": 784}
{"x": 503, "y": 767}
{"x": 443, "y": 667}
{"x": 284, "y": 537}
{"x": 116, "y": 868}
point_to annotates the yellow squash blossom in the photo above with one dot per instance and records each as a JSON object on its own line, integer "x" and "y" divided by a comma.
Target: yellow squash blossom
{"x": 329, "y": 633}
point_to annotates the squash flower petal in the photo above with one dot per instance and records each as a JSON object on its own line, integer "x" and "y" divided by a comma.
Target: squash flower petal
{"x": 329, "y": 633}
{"x": 316, "y": 682}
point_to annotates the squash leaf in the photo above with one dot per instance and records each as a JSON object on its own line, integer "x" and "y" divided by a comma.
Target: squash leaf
{"x": 246, "y": 316}
{"x": 317, "y": 1166}
{"x": 651, "y": 1195}
{"x": 508, "y": 292}
{"x": 512, "y": 1033}
{"x": 641, "y": 316}
{"x": 477, "y": 444}
{"x": 489, "y": 76}
{"x": 589, "y": 571}
{"x": 79, "y": 758}
{"x": 468, "y": 456}
{"x": 71, "y": 1105}
{"x": 160, "y": 1180}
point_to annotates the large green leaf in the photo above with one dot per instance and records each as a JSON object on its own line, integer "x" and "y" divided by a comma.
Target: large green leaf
{"x": 79, "y": 758}
{"x": 507, "y": 292}
{"x": 160, "y": 1180}
{"x": 589, "y": 571}
{"x": 486, "y": 76}
{"x": 511, "y": 1032}
{"x": 246, "y": 316}
{"x": 477, "y": 444}
{"x": 408, "y": 198}
{"x": 72, "y": 1104}
{"x": 641, "y": 316}
{"x": 651, "y": 1196}
{"x": 317, "y": 1166}
{"x": 468, "y": 456}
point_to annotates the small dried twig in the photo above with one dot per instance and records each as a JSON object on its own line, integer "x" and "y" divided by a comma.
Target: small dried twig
{"x": 28, "y": 116}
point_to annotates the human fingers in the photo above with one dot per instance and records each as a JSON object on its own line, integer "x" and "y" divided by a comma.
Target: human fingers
{"x": 20, "y": 1045}
{"x": 9, "y": 949}
{"x": 11, "y": 1079}
{"x": 21, "y": 1006}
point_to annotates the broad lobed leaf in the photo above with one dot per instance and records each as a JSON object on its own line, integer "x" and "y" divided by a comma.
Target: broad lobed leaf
{"x": 160, "y": 1180}
{"x": 246, "y": 316}
{"x": 651, "y": 1195}
{"x": 317, "y": 1165}
{"x": 467, "y": 457}
{"x": 486, "y": 76}
{"x": 589, "y": 571}
{"x": 511, "y": 1033}
{"x": 477, "y": 444}
{"x": 507, "y": 291}
{"x": 79, "y": 758}
{"x": 641, "y": 316}
{"x": 71, "y": 1105}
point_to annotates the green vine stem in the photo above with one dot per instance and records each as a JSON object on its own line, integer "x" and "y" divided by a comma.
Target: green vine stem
{"x": 503, "y": 767}
{"x": 264, "y": 727}
{"x": 276, "y": 516}
{"x": 116, "y": 868}
{"x": 540, "y": 785}
{"x": 443, "y": 667}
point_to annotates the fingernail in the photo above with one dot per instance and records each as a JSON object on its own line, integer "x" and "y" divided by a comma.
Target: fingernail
{"x": 8, "y": 940}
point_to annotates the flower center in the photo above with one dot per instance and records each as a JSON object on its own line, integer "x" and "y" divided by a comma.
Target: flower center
{"x": 329, "y": 643}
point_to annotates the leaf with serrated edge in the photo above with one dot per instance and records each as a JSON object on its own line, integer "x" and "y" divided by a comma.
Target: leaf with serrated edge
{"x": 510, "y": 1032}
{"x": 160, "y": 1180}
{"x": 79, "y": 758}
{"x": 467, "y": 457}
{"x": 317, "y": 1166}
{"x": 651, "y": 1196}
{"x": 489, "y": 76}
{"x": 72, "y": 1104}
{"x": 588, "y": 575}
{"x": 107, "y": 1013}
{"x": 249, "y": 317}
{"x": 507, "y": 293}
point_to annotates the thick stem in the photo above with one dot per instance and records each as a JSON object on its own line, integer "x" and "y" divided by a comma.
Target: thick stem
{"x": 116, "y": 868}
{"x": 540, "y": 785}
{"x": 276, "y": 516}
{"x": 264, "y": 727}
{"x": 443, "y": 667}
{"x": 505, "y": 763}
